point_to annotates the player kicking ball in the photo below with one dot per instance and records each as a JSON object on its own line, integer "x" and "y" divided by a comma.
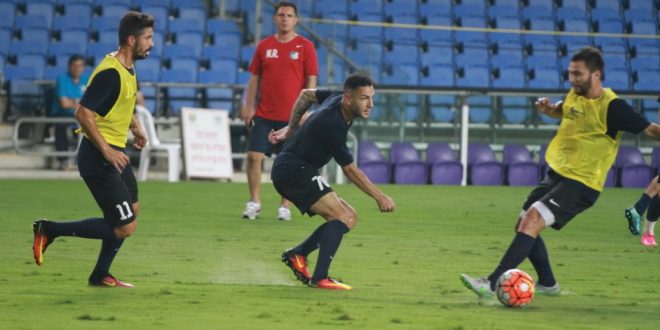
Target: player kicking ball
{"x": 106, "y": 114}
{"x": 295, "y": 173}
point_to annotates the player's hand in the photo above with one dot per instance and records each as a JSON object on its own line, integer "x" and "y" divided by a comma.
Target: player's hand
{"x": 248, "y": 118}
{"x": 275, "y": 137}
{"x": 544, "y": 105}
{"x": 139, "y": 138}
{"x": 117, "y": 159}
{"x": 385, "y": 203}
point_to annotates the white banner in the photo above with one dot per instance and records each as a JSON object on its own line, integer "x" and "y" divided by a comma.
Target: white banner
{"x": 206, "y": 143}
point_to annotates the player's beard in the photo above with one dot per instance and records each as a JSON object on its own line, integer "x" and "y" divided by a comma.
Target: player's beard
{"x": 583, "y": 88}
{"x": 139, "y": 54}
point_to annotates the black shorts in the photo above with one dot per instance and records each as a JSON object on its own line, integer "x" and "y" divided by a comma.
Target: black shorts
{"x": 565, "y": 198}
{"x": 114, "y": 192}
{"x": 303, "y": 188}
{"x": 259, "y": 135}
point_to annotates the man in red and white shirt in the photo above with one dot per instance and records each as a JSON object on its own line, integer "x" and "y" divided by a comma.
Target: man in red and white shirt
{"x": 283, "y": 65}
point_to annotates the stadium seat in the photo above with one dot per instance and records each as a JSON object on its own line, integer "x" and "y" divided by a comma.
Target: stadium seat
{"x": 509, "y": 77}
{"x": 25, "y": 97}
{"x": 247, "y": 53}
{"x": 467, "y": 8}
{"x": 72, "y": 22}
{"x": 100, "y": 49}
{"x": 192, "y": 40}
{"x": 648, "y": 80}
{"x": 480, "y": 115}
{"x": 228, "y": 67}
{"x": 186, "y": 25}
{"x": 366, "y": 33}
{"x": 520, "y": 169}
{"x": 483, "y": 167}
{"x": 221, "y": 52}
{"x": 115, "y": 10}
{"x": 400, "y": 54}
{"x": 159, "y": 44}
{"x": 435, "y": 55}
{"x": 27, "y": 47}
{"x": 44, "y": 10}
{"x": 443, "y": 166}
{"x": 609, "y": 4}
{"x": 545, "y": 78}
{"x": 8, "y": 11}
{"x": 74, "y": 9}
{"x": 617, "y": 78}
{"x": 31, "y": 21}
{"x": 400, "y": 9}
{"x": 578, "y": 25}
{"x": 546, "y": 5}
{"x": 515, "y": 109}
{"x": 218, "y": 25}
{"x": 220, "y": 98}
{"x": 372, "y": 163}
{"x": 180, "y": 4}
{"x": 437, "y": 37}
{"x": 400, "y": 35}
{"x": 435, "y": 7}
{"x": 148, "y": 70}
{"x": 172, "y": 150}
{"x": 179, "y": 51}
{"x": 632, "y": 15}
{"x": 409, "y": 74}
{"x": 471, "y": 36}
{"x": 472, "y": 53}
{"x": 108, "y": 36}
{"x": 194, "y": 13}
{"x": 14, "y": 72}
{"x": 161, "y": 16}
{"x": 67, "y": 48}
{"x": 507, "y": 53}
{"x": 366, "y": 7}
{"x": 407, "y": 166}
{"x": 506, "y": 22}
{"x": 474, "y": 76}
{"x": 439, "y": 75}
{"x": 102, "y": 23}
{"x": 632, "y": 170}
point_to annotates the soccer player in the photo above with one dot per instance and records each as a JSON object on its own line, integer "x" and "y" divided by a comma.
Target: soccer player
{"x": 283, "y": 64}
{"x": 593, "y": 119}
{"x": 296, "y": 177}
{"x": 105, "y": 114}
{"x": 634, "y": 213}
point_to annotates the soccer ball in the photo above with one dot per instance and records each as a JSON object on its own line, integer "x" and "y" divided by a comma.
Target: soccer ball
{"x": 515, "y": 288}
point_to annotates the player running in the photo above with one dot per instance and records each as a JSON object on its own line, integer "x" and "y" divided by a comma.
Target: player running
{"x": 105, "y": 114}
{"x": 296, "y": 177}
{"x": 593, "y": 119}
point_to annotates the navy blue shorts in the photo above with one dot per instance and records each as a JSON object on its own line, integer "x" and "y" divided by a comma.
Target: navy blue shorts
{"x": 259, "y": 135}
{"x": 304, "y": 186}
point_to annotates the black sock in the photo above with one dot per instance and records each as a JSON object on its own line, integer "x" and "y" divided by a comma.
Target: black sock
{"x": 642, "y": 204}
{"x": 539, "y": 258}
{"x": 518, "y": 250}
{"x": 311, "y": 243}
{"x": 95, "y": 228}
{"x": 109, "y": 250}
{"x": 329, "y": 243}
{"x": 654, "y": 209}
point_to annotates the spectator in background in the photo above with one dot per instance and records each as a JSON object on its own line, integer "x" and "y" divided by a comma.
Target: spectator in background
{"x": 283, "y": 65}
{"x": 69, "y": 88}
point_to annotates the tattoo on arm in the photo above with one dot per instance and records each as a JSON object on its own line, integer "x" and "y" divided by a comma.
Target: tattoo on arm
{"x": 303, "y": 103}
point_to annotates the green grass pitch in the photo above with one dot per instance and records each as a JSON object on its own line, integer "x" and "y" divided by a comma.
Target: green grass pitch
{"x": 198, "y": 265}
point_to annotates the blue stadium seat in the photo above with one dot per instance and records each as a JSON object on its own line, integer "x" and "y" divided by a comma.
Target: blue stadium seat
{"x": 25, "y": 95}
{"x": 109, "y": 2}
{"x": 644, "y": 61}
{"x": 194, "y": 13}
{"x": 648, "y": 80}
{"x": 510, "y": 77}
{"x": 14, "y": 72}
{"x": 217, "y": 25}
{"x": 541, "y": 24}
{"x": 108, "y": 36}
{"x": 220, "y": 98}
{"x": 437, "y": 55}
{"x": 643, "y": 27}
{"x": 474, "y": 76}
{"x": 148, "y": 70}
{"x": 31, "y": 21}
{"x": 473, "y": 53}
{"x": 399, "y": 35}
{"x": 159, "y": 44}
{"x": 8, "y": 11}
{"x": 359, "y": 8}
{"x": 76, "y": 9}
{"x": 187, "y": 3}
{"x": 72, "y": 22}
{"x": 229, "y": 40}
{"x": 400, "y": 9}
{"x": 228, "y": 66}
{"x": 2, "y": 63}
{"x": 575, "y": 25}
{"x": 442, "y": 107}
{"x": 470, "y": 36}
{"x": 221, "y": 52}
{"x": 545, "y": 78}
{"x": 615, "y": 61}
{"x": 474, "y": 9}
{"x": 52, "y": 72}
{"x": 161, "y": 16}
{"x": 105, "y": 23}
{"x": 186, "y": 25}
{"x": 437, "y": 37}
{"x": 37, "y": 61}
{"x": 179, "y": 51}
{"x": 247, "y": 52}
{"x": 224, "y": 75}
{"x": 27, "y": 47}
{"x": 5, "y": 40}
{"x": 609, "y": 4}
{"x": 189, "y": 64}
{"x": 499, "y": 10}
{"x": 507, "y": 53}
{"x": 638, "y": 14}
{"x": 439, "y": 75}
{"x": 564, "y": 13}
{"x": 100, "y": 49}
{"x": 142, "y": 3}
{"x": 533, "y": 13}
{"x": 367, "y": 53}
{"x": 67, "y": 48}
{"x": 402, "y": 54}
{"x": 541, "y": 59}
{"x": 515, "y": 109}
{"x": 598, "y": 14}
{"x": 193, "y": 40}
{"x": 480, "y": 115}
{"x": 114, "y": 10}
{"x": 322, "y": 7}
{"x": 506, "y": 22}
{"x": 36, "y": 35}
{"x": 367, "y": 33}
{"x": 43, "y": 9}
{"x": 435, "y": 8}
{"x": 180, "y": 96}
{"x": 617, "y": 78}
{"x": 410, "y": 74}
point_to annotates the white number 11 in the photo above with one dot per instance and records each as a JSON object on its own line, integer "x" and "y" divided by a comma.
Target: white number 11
{"x": 128, "y": 214}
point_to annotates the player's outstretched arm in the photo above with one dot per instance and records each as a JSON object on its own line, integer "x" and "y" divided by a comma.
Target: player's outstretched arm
{"x": 653, "y": 131}
{"x": 355, "y": 174}
{"x": 544, "y": 106}
{"x": 86, "y": 119}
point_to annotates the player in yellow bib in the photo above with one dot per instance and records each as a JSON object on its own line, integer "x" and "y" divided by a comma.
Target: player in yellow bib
{"x": 105, "y": 114}
{"x": 593, "y": 119}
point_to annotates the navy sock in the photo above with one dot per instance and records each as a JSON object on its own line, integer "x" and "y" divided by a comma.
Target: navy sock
{"x": 311, "y": 243}
{"x": 539, "y": 258}
{"x": 642, "y": 204}
{"x": 109, "y": 249}
{"x": 518, "y": 250}
{"x": 654, "y": 209}
{"x": 95, "y": 228}
{"x": 329, "y": 243}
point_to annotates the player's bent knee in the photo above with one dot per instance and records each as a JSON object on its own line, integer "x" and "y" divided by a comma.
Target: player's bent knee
{"x": 126, "y": 230}
{"x": 535, "y": 219}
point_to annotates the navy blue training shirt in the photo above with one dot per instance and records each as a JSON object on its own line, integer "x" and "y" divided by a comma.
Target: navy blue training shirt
{"x": 320, "y": 138}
